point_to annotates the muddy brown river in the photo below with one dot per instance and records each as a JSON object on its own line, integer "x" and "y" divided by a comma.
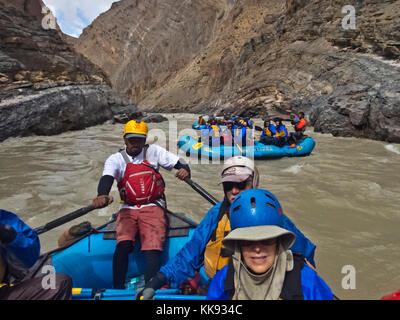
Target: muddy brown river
{"x": 345, "y": 196}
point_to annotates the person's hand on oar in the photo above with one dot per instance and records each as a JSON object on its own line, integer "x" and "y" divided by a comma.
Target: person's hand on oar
{"x": 182, "y": 174}
{"x": 183, "y": 169}
{"x": 102, "y": 201}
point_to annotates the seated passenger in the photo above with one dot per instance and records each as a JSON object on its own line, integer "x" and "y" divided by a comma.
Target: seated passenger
{"x": 19, "y": 251}
{"x": 211, "y": 134}
{"x": 201, "y": 121}
{"x": 281, "y": 133}
{"x": 299, "y": 129}
{"x": 227, "y": 134}
{"x": 267, "y": 135}
{"x": 205, "y": 249}
{"x": 262, "y": 266}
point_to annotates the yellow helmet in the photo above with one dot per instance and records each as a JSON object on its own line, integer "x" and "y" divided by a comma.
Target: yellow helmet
{"x": 135, "y": 129}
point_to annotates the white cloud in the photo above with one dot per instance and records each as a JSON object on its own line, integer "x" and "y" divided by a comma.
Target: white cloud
{"x": 74, "y": 15}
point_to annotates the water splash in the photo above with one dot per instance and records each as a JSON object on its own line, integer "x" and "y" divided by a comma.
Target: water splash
{"x": 295, "y": 169}
{"x": 392, "y": 148}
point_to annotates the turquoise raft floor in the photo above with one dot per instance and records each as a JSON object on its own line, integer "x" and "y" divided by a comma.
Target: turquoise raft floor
{"x": 89, "y": 261}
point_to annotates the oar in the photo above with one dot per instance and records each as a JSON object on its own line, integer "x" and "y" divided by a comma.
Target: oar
{"x": 64, "y": 219}
{"x": 201, "y": 191}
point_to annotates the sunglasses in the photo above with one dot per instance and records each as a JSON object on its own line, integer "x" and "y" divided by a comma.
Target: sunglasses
{"x": 228, "y": 186}
{"x": 268, "y": 242}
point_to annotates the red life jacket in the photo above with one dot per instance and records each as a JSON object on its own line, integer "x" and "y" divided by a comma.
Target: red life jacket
{"x": 300, "y": 125}
{"x": 141, "y": 184}
{"x": 393, "y": 296}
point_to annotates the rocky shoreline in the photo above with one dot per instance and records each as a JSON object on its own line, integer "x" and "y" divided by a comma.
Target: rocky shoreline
{"x": 54, "y": 110}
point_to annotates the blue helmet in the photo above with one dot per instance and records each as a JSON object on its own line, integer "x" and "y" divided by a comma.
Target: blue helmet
{"x": 255, "y": 207}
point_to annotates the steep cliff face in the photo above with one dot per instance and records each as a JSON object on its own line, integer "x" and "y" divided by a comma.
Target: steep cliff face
{"x": 32, "y": 54}
{"x": 45, "y": 86}
{"x": 257, "y": 57}
{"x": 139, "y": 43}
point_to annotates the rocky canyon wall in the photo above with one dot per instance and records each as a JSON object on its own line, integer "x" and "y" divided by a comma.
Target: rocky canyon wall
{"x": 257, "y": 57}
{"x": 45, "y": 86}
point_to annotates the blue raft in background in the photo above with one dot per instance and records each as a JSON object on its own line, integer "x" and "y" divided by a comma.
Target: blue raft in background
{"x": 196, "y": 126}
{"x": 192, "y": 147}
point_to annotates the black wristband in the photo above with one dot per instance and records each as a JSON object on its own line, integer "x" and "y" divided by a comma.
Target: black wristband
{"x": 105, "y": 185}
{"x": 181, "y": 164}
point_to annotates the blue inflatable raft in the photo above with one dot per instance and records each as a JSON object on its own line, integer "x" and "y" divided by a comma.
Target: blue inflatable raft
{"x": 88, "y": 261}
{"x": 194, "y": 148}
{"x": 196, "y": 126}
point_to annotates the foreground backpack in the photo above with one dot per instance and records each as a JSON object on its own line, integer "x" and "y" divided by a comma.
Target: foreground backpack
{"x": 141, "y": 184}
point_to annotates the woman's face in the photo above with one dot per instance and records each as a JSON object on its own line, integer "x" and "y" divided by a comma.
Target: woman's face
{"x": 259, "y": 256}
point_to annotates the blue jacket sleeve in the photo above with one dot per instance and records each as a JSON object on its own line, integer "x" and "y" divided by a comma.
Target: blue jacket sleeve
{"x": 302, "y": 244}
{"x": 26, "y": 245}
{"x": 314, "y": 287}
{"x": 216, "y": 289}
{"x": 191, "y": 257}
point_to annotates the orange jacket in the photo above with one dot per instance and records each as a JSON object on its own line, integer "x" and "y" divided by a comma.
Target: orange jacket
{"x": 301, "y": 125}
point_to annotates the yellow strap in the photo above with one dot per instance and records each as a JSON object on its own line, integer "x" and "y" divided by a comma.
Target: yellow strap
{"x": 76, "y": 290}
{"x": 197, "y": 145}
{"x": 309, "y": 264}
{"x": 241, "y": 150}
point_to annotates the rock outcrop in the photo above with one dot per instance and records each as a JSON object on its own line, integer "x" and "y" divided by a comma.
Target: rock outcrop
{"x": 257, "y": 57}
{"x": 55, "y": 109}
{"x": 30, "y": 53}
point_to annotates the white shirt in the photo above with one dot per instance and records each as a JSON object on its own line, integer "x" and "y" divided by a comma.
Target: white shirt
{"x": 156, "y": 155}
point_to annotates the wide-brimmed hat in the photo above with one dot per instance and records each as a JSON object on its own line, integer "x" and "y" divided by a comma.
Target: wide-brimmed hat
{"x": 260, "y": 233}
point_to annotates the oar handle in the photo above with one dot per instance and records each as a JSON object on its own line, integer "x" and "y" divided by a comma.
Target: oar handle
{"x": 201, "y": 191}
{"x": 64, "y": 219}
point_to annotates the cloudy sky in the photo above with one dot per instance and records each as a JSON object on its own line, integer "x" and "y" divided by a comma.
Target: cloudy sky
{"x": 74, "y": 15}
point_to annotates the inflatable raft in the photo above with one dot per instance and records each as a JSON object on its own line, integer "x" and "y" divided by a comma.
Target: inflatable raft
{"x": 196, "y": 126}
{"x": 194, "y": 148}
{"x": 88, "y": 261}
